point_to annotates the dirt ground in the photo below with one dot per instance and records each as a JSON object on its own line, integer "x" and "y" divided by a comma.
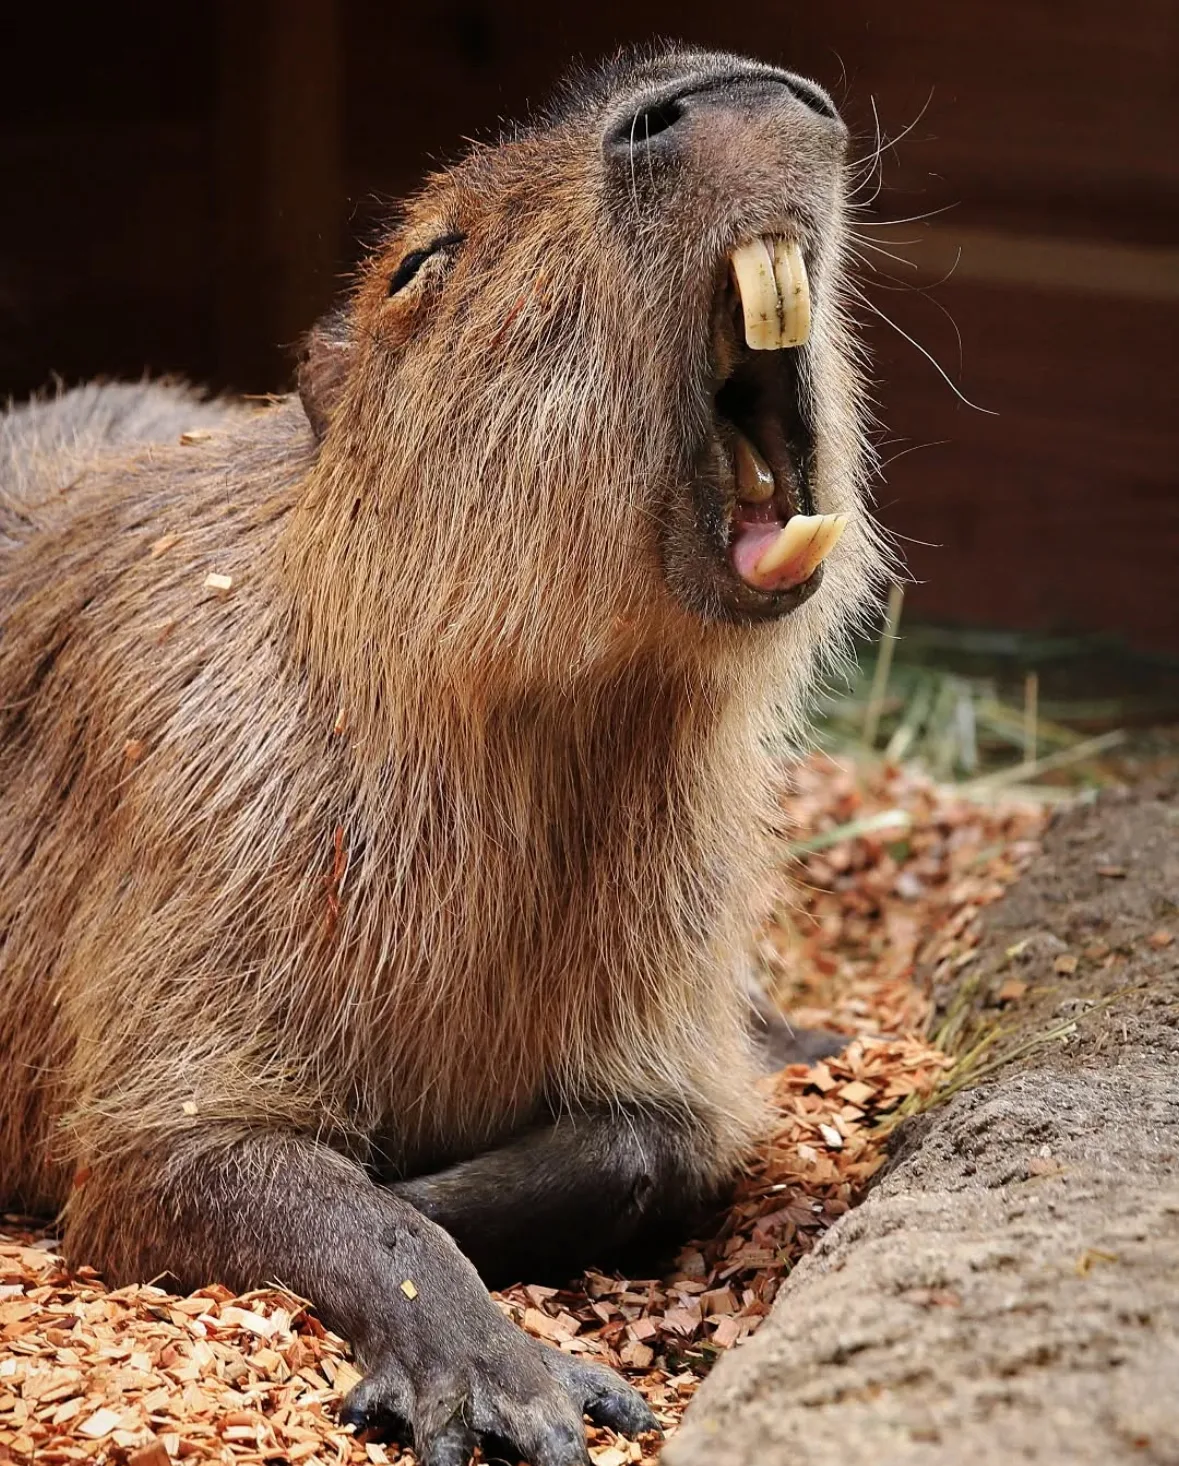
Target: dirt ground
{"x": 1010, "y": 1289}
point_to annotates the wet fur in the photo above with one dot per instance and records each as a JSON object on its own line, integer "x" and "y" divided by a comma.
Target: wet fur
{"x": 449, "y": 815}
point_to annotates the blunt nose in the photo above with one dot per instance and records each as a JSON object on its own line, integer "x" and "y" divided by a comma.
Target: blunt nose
{"x": 657, "y": 121}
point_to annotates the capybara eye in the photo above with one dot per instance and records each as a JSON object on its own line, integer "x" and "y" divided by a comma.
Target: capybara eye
{"x": 416, "y": 258}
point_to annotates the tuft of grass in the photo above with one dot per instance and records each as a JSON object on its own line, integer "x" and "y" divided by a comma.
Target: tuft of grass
{"x": 997, "y": 709}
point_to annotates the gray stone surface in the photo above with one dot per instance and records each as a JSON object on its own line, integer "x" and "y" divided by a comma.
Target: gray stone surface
{"x": 1010, "y": 1290}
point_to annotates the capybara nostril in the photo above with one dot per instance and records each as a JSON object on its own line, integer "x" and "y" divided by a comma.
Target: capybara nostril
{"x": 811, "y": 95}
{"x": 650, "y": 122}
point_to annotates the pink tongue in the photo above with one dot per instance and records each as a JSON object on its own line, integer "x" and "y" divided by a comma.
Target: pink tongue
{"x": 749, "y": 543}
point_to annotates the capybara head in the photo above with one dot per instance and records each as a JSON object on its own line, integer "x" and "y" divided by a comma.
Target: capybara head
{"x": 597, "y": 393}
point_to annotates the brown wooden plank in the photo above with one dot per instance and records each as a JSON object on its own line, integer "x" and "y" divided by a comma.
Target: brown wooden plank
{"x": 1062, "y": 509}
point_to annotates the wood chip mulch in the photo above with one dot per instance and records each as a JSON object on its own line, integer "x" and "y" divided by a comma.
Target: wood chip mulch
{"x": 140, "y": 1377}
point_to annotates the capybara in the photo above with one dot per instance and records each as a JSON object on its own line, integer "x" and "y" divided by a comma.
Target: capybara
{"x": 384, "y": 771}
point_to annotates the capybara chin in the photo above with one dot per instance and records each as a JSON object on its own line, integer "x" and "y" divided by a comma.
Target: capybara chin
{"x": 383, "y": 770}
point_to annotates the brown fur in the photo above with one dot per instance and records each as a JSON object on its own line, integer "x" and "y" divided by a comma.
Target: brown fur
{"x": 449, "y": 811}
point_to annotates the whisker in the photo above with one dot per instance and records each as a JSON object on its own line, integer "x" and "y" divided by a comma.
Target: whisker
{"x": 871, "y": 243}
{"x": 916, "y": 345}
{"x": 909, "y": 219}
{"x": 941, "y": 280}
{"x": 909, "y": 288}
{"x": 898, "y": 287}
{"x": 888, "y": 254}
{"x": 904, "y": 133}
{"x": 908, "y": 538}
{"x": 634, "y": 188}
{"x": 883, "y": 144}
{"x": 902, "y": 287}
{"x": 875, "y": 171}
{"x": 912, "y": 448}
{"x": 949, "y": 317}
{"x": 869, "y": 160}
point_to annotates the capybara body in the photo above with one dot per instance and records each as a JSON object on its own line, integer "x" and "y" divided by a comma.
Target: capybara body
{"x": 384, "y": 785}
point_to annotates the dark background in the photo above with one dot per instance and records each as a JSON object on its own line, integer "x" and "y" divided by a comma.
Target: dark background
{"x": 185, "y": 186}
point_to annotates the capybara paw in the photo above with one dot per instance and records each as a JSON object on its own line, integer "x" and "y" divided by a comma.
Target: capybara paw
{"x": 508, "y": 1402}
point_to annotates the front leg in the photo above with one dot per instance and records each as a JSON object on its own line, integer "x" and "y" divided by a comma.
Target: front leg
{"x": 579, "y": 1191}
{"x": 441, "y": 1356}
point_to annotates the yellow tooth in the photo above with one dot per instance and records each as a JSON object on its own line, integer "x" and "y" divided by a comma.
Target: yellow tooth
{"x": 794, "y": 292}
{"x": 755, "y": 482}
{"x": 753, "y": 270}
{"x": 803, "y": 543}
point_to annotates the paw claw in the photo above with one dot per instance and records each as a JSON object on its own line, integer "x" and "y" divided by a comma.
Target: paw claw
{"x": 374, "y": 1405}
{"x": 454, "y": 1445}
{"x": 560, "y": 1444}
{"x": 628, "y": 1413}
{"x": 357, "y": 1407}
{"x": 352, "y": 1415}
{"x": 603, "y": 1395}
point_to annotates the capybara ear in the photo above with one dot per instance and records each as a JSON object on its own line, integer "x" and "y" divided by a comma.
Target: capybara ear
{"x": 324, "y": 359}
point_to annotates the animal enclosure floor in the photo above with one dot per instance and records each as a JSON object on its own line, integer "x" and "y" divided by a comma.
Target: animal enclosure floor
{"x": 144, "y": 1377}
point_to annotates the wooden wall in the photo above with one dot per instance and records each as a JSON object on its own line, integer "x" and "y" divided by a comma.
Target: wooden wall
{"x": 184, "y": 188}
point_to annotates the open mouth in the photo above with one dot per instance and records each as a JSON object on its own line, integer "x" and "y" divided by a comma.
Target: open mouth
{"x": 774, "y": 541}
